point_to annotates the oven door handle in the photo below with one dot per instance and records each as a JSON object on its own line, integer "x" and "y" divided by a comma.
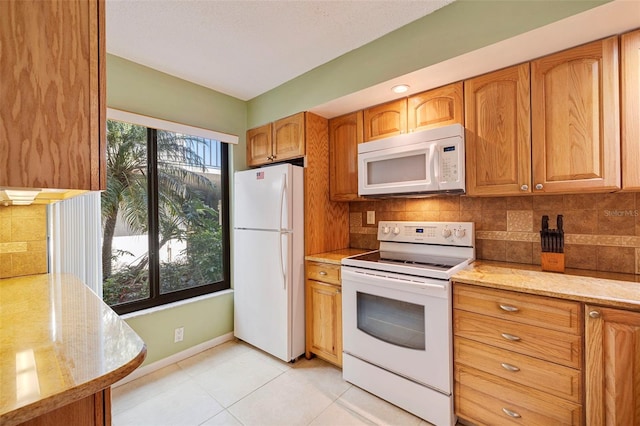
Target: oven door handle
{"x": 377, "y": 279}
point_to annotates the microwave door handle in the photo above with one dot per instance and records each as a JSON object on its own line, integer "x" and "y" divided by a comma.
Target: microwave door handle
{"x": 433, "y": 164}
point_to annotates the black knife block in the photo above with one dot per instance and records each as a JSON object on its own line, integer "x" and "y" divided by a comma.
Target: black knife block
{"x": 552, "y": 262}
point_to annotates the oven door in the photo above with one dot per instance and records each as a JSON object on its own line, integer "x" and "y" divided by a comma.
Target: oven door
{"x": 400, "y": 323}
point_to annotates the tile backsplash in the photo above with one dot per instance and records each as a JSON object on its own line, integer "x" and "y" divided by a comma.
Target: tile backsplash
{"x": 602, "y": 231}
{"x": 23, "y": 240}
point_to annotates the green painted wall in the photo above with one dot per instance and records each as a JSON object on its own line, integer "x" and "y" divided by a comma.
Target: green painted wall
{"x": 203, "y": 320}
{"x": 135, "y": 88}
{"x": 142, "y": 90}
{"x": 461, "y": 27}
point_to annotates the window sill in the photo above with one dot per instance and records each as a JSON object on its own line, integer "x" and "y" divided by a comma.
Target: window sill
{"x": 172, "y": 305}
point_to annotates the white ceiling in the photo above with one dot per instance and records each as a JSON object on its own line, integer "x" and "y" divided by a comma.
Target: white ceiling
{"x": 244, "y": 48}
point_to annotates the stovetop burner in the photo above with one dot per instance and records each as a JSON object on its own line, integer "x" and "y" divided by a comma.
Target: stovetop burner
{"x": 427, "y": 249}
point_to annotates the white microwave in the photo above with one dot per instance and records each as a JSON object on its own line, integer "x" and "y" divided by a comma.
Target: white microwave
{"x": 422, "y": 163}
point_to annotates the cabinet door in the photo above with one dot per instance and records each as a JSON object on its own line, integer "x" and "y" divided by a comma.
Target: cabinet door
{"x": 259, "y": 147}
{"x": 382, "y": 121}
{"x": 612, "y": 366}
{"x": 324, "y": 321}
{"x": 345, "y": 133}
{"x": 575, "y": 119}
{"x": 498, "y": 138}
{"x": 288, "y": 137}
{"x": 437, "y": 107}
{"x": 630, "y": 101}
{"x": 52, "y": 114}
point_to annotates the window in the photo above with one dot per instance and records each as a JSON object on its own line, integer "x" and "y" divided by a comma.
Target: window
{"x": 164, "y": 217}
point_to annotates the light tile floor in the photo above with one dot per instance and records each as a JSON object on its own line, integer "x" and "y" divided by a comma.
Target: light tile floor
{"x": 236, "y": 384}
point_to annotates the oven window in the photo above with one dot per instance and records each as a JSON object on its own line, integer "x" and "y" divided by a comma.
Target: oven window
{"x": 392, "y": 321}
{"x": 396, "y": 170}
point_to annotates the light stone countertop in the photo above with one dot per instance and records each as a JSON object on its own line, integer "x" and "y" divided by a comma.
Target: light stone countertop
{"x": 601, "y": 288}
{"x": 58, "y": 343}
{"x": 336, "y": 256}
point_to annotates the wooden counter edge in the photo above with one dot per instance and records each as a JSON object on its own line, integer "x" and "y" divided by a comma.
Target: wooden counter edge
{"x": 76, "y": 393}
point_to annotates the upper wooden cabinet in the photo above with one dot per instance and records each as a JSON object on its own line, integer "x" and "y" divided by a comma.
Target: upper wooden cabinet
{"x": 612, "y": 378}
{"x": 630, "y": 101}
{"x": 385, "y": 120}
{"x": 575, "y": 119}
{"x": 289, "y": 137}
{"x": 498, "y": 138}
{"x": 52, "y": 114}
{"x": 279, "y": 141}
{"x": 259, "y": 145}
{"x": 434, "y": 108}
{"x": 345, "y": 133}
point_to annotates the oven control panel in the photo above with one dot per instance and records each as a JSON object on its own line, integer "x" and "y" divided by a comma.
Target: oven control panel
{"x": 443, "y": 233}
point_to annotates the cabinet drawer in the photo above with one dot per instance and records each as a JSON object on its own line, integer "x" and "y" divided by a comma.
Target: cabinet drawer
{"x": 486, "y": 399}
{"x": 547, "y": 312}
{"x": 544, "y": 376}
{"x": 550, "y": 345}
{"x": 325, "y": 272}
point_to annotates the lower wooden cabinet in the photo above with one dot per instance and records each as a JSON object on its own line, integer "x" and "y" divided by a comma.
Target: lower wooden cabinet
{"x": 612, "y": 366}
{"x": 323, "y": 294}
{"x": 93, "y": 410}
{"x": 515, "y": 361}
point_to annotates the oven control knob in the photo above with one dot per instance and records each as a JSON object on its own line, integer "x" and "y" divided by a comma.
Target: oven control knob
{"x": 460, "y": 232}
{"x": 385, "y": 230}
{"x": 396, "y": 230}
{"x": 446, "y": 232}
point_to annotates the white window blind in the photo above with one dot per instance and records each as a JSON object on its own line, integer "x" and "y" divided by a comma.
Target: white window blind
{"x": 171, "y": 126}
{"x": 74, "y": 238}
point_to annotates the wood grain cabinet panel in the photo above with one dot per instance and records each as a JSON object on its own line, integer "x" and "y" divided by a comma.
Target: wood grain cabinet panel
{"x": 489, "y": 400}
{"x": 540, "y": 311}
{"x": 289, "y": 137}
{"x": 52, "y": 114}
{"x": 345, "y": 133}
{"x": 612, "y": 366}
{"x": 281, "y": 140}
{"x": 434, "y": 108}
{"x": 323, "y": 312}
{"x": 518, "y": 357}
{"x": 498, "y": 136}
{"x": 549, "y": 345}
{"x": 385, "y": 120}
{"x": 259, "y": 145}
{"x": 630, "y": 110}
{"x": 575, "y": 124}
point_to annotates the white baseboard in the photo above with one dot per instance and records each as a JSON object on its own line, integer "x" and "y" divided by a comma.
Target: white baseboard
{"x": 150, "y": 368}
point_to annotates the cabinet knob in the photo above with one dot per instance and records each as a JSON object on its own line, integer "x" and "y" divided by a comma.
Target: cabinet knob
{"x": 509, "y": 367}
{"x": 322, "y": 273}
{"x": 511, "y": 413}
{"x": 510, "y": 337}
{"x": 594, "y": 314}
{"x": 524, "y": 187}
{"x": 539, "y": 186}
{"x": 509, "y": 308}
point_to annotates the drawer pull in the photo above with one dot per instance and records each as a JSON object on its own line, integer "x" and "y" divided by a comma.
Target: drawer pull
{"x": 594, "y": 314}
{"x": 509, "y": 308}
{"x": 511, "y": 413}
{"x": 510, "y": 337}
{"x": 509, "y": 367}
{"x": 322, "y": 273}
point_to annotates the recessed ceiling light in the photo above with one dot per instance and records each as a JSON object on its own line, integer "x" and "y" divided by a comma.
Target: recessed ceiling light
{"x": 400, "y": 88}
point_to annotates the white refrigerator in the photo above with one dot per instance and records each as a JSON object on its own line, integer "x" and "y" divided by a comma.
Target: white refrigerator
{"x": 268, "y": 259}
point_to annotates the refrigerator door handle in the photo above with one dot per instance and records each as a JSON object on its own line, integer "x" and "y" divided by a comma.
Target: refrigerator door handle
{"x": 284, "y": 277}
{"x": 283, "y": 187}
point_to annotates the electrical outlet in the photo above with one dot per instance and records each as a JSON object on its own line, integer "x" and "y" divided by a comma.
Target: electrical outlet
{"x": 371, "y": 217}
{"x": 178, "y": 335}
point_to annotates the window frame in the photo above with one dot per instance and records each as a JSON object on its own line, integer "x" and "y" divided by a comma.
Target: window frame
{"x": 156, "y": 298}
